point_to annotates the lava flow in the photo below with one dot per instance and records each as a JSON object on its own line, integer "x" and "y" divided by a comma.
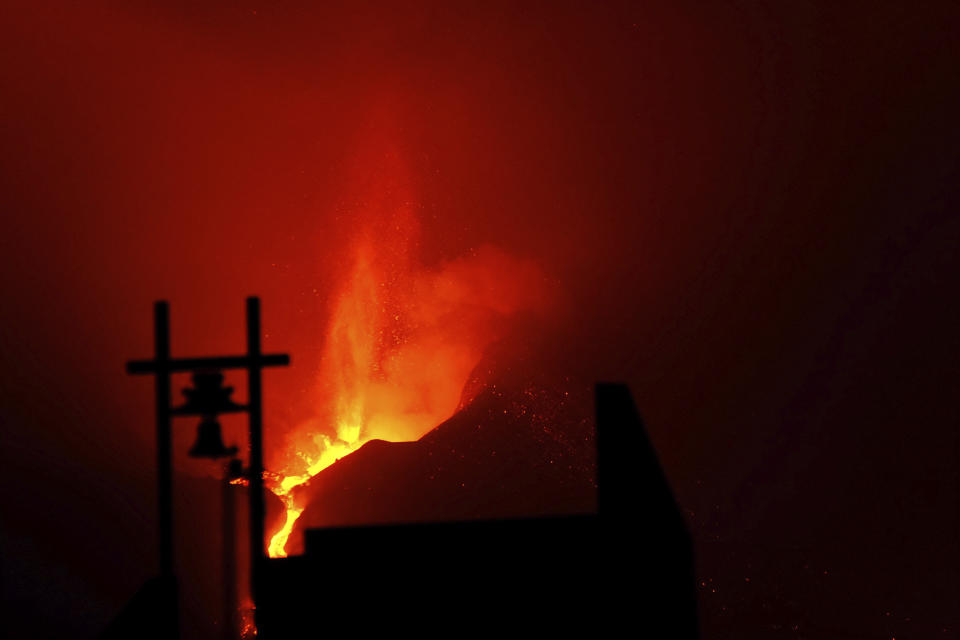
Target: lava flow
{"x": 401, "y": 342}
{"x": 333, "y": 450}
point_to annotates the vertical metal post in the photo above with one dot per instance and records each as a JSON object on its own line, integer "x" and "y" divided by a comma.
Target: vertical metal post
{"x": 161, "y": 341}
{"x": 229, "y": 557}
{"x": 256, "y": 445}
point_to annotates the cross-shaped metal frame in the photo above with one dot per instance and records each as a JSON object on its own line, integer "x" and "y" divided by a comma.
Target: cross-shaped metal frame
{"x": 162, "y": 367}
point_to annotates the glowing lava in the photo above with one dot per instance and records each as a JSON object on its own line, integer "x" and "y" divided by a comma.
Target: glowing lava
{"x": 401, "y": 342}
{"x": 353, "y": 344}
{"x": 330, "y": 454}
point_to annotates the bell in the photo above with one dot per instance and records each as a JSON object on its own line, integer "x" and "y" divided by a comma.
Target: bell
{"x": 209, "y": 442}
{"x": 208, "y": 397}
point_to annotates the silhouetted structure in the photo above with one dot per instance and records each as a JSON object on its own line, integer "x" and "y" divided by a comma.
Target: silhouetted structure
{"x": 150, "y": 614}
{"x": 208, "y": 399}
{"x": 228, "y": 554}
{"x": 630, "y": 564}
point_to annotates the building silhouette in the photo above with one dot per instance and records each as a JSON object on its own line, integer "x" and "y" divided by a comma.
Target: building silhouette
{"x": 627, "y": 566}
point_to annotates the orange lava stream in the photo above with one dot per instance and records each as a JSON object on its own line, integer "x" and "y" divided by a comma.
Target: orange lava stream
{"x": 348, "y": 440}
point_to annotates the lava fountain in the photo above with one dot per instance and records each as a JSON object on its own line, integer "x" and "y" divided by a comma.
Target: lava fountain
{"x": 402, "y": 340}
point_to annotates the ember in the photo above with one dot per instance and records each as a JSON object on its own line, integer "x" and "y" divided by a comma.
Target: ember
{"x": 248, "y": 629}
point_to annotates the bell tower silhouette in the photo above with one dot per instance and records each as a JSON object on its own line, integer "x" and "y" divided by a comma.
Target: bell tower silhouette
{"x": 208, "y": 398}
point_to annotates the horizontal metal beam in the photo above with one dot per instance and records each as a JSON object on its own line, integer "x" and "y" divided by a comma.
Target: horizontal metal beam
{"x": 186, "y": 411}
{"x": 215, "y": 362}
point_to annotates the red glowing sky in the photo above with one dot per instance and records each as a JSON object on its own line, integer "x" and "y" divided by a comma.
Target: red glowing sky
{"x": 747, "y": 213}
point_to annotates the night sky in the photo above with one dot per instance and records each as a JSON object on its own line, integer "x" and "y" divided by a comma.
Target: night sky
{"x": 747, "y": 211}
